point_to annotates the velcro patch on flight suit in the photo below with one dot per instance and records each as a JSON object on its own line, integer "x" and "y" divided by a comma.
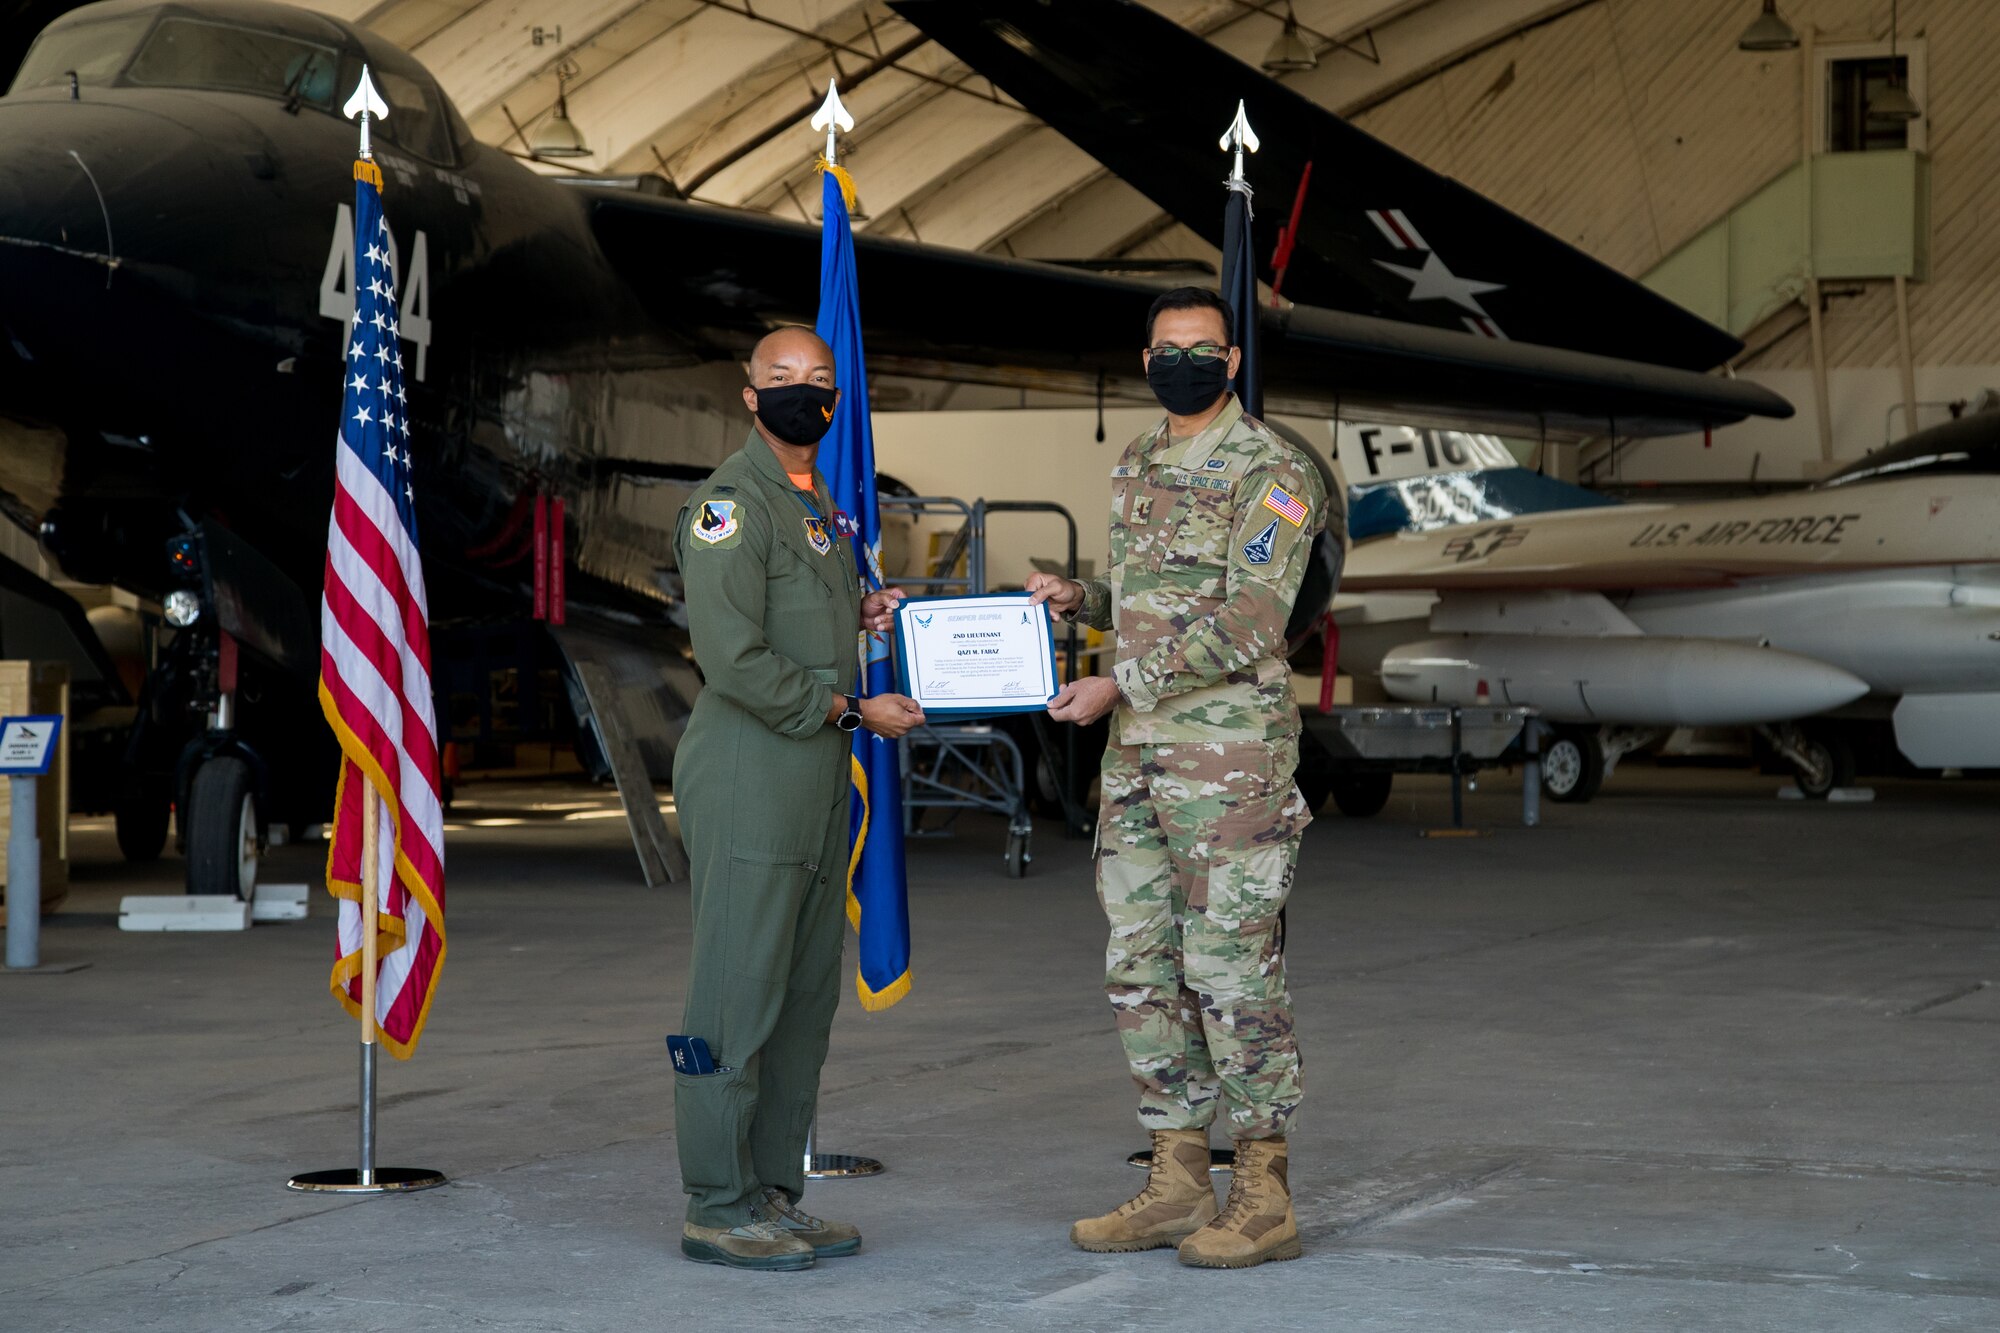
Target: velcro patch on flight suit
{"x": 716, "y": 522}
{"x": 816, "y": 535}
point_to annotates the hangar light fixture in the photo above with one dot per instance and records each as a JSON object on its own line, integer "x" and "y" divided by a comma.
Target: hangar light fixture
{"x": 558, "y": 136}
{"x": 1290, "y": 53}
{"x": 1768, "y": 32}
{"x": 1894, "y": 102}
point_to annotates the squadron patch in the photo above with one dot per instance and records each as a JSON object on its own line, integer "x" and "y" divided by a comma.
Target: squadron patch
{"x": 716, "y": 521}
{"x": 1258, "y": 549}
{"x": 816, "y": 535}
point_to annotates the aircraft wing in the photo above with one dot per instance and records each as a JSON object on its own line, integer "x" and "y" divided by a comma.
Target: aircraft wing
{"x": 1380, "y": 233}
{"x": 1843, "y": 529}
{"x": 725, "y": 276}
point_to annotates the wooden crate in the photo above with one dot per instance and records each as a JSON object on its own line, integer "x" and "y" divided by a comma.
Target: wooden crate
{"x": 41, "y": 687}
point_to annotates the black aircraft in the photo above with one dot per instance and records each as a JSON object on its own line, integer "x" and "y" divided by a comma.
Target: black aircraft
{"x": 175, "y": 253}
{"x": 1378, "y": 232}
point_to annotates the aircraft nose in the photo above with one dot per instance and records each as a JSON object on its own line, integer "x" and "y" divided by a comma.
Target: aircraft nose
{"x": 50, "y": 202}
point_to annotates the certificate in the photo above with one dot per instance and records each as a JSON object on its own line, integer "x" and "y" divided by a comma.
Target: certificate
{"x": 974, "y": 656}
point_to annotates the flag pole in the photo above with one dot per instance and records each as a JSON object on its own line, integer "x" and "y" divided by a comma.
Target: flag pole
{"x": 365, "y": 105}
{"x": 371, "y": 889}
{"x": 833, "y": 117}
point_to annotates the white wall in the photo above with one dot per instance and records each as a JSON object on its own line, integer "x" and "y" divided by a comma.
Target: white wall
{"x": 1866, "y": 405}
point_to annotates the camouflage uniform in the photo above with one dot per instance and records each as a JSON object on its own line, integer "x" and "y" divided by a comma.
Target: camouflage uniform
{"x": 1198, "y": 830}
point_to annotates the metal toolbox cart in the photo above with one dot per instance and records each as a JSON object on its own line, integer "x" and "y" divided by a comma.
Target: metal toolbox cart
{"x": 1357, "y": 750}
{"x": 958, "y": 766}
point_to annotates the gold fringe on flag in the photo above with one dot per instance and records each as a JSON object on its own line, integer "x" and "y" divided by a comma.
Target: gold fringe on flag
{"x": 368, "y": 171}
{"x": 820, "y": 164}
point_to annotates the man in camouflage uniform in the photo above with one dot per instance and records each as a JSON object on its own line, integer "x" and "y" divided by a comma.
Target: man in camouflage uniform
{"x": 1213, "y": 519}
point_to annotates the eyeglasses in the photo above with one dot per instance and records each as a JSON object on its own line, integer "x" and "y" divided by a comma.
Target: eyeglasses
{"x": 1168, "y": 356}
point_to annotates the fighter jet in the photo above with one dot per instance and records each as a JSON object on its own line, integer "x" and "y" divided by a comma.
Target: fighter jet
{"x": 176, "y": 255}
{"x": 1867, "y": 604}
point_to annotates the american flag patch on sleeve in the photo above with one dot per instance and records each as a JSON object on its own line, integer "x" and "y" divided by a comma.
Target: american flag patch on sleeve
{"x": 1285, "y": 505}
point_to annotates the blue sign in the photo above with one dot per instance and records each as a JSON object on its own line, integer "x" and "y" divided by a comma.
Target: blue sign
{"x": 28, "y": 744}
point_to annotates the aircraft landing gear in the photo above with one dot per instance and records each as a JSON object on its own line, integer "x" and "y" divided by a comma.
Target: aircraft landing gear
{"x": 228, "y": 733}
{"x": 142, "y": 819}
{"x": 1573, "y": 764}
{"x": 1821, "y": 757}
{"x": 223, "y": 839}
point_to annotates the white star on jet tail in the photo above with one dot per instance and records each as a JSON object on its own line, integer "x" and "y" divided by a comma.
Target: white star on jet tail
{"x": 1435, "y": 282}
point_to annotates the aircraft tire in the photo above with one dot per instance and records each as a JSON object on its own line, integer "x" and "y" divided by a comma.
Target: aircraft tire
{"x": 222, "y": 844}
{"x": 1833, "y": 759}
{"x": 1572, "y": 765}
{"x": 141, "y": 820}
{"x": 1362, "y": 795}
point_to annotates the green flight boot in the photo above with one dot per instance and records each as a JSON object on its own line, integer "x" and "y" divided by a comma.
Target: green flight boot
{"x": 1177, "y": 1200}
{"x": 1257, "y": 1223}
{"x": 759, "y": 1244}
{"x": 829, "y": 1240}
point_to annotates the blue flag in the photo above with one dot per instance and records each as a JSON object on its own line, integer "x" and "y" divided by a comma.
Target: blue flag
{"x": 878, "y": 902}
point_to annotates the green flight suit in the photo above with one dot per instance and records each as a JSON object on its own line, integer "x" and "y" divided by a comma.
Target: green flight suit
{"x": 761, "y": 783}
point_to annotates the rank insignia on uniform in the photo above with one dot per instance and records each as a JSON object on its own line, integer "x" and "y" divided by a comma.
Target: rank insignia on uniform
{"x": 816, "y": 534}
{"x": 1285, "y": 505}
{"x": 1258, "y": 549}
{"x": 716, "y": 521}
{"x": 1216, "y": 464}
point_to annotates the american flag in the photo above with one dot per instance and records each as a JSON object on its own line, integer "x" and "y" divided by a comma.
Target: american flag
{"x": 1286, "y": 505}
{"x": 375, "y": 657}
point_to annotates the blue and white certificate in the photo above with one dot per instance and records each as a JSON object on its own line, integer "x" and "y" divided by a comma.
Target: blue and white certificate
{"x": 974, "y": 656}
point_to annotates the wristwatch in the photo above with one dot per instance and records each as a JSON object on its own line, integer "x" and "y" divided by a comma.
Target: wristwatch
{"x": 850, "y": 716}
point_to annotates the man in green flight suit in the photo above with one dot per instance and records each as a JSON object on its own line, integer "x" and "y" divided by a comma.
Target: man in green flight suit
{"x": 1213, "y": 519}
{"x": 761, "y": 784}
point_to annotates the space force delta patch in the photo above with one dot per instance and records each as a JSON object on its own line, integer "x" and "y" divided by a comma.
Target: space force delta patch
{"x": 716, "y": 521}
{"x": 1258, "y": 549}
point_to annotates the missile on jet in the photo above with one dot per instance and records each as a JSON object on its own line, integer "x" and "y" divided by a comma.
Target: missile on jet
{"x": 1633, "y": 679}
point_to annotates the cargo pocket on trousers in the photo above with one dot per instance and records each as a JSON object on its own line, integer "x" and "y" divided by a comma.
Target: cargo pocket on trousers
{"x": 761, "y": 915}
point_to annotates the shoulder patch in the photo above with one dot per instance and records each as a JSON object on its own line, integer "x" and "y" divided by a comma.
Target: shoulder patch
{"x": 1259, "y": 548}
{"x": 1286, "y": 505}
{"x": 715, "y": 521}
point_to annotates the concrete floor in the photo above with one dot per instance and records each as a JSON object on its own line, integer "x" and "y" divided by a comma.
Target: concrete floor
{"x": 1686, "y": 1058}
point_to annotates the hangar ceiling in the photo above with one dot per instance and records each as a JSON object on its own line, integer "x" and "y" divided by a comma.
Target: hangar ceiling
{"x": 715, "y": 95}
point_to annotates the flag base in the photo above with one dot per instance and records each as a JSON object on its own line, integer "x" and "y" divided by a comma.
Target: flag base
{"x": 1219, "y": 1159}
{"x": 835, "y": 1166}
{"x": 385, "y": 1180}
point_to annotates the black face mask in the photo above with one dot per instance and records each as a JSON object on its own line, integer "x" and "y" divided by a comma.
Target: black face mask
{"x": 1190, "y": 385}
{"x": 796, "y": 413}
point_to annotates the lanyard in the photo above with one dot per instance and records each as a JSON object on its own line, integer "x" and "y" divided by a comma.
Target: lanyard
{"x": 806, "y": 500}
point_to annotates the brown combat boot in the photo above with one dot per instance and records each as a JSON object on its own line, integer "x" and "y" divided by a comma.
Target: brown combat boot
{"x": 1177, "y": 1200}
{"x": 1257, "y": 1222}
